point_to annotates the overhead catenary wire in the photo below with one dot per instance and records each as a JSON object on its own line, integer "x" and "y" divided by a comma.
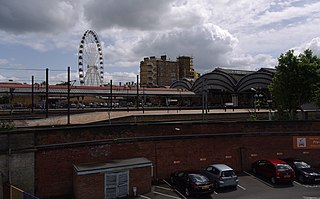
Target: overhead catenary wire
{"x": 36, "y": 69}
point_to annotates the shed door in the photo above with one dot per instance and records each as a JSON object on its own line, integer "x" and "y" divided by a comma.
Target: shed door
{"x": 116, "y": 185}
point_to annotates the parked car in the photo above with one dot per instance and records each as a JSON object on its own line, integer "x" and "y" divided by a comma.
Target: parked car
{"x": 304, "y": 172}
{"x": 274, "y": 169}
{"x": 81, "y": 105}
{"x": 192, "y": 182}
{"x": 223, "y": 175}
{"x": 73, "y": 105}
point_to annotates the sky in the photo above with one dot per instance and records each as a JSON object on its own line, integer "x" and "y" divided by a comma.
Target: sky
{"x": 238, "y": 34}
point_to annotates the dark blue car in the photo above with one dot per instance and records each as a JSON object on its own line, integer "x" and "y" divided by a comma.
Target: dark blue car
{"x": 304, "y": 172}
{"x": 192, "y": 182}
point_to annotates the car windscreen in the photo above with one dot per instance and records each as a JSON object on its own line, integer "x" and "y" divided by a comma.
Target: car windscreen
{"x": 229, "y": 173}
{"x": 283, "y": 167}
{"x": 197, "y": 178}
{"x": 301, "y": 164}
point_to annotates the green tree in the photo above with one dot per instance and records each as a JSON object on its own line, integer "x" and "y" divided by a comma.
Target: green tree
{"x": 6, "y": 125}
{"x": 4, "y": 99}
{"x": 316, "y": 97}
{"x": 294, "y": 81}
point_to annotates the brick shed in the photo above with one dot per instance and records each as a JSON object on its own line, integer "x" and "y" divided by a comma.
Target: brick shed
{"x": 116, "y": 178}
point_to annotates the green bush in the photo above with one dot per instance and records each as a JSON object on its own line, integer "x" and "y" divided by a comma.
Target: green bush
{"x": 6, "y": 125}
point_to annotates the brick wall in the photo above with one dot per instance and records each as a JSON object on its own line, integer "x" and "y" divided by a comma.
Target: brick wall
{"x": 88, "y": 186}
{"x": 184, "y": 146}
{"x": 51, "y": 162}
{"x": 171, "y": 156}
{"x": 141, "y": 179}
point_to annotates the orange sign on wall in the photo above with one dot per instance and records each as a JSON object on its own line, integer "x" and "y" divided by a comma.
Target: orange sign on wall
{"x": 306, "y": 142}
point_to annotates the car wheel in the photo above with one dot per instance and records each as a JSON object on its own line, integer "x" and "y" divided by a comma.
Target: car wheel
{"x": 186, "y": 191}
{"x": 301, "y": 179}
{"x": 172, "y": 181}
{"x": 254, "y": 170}
{"x": 273, "y": 180}
{"x": 216, "y": 186}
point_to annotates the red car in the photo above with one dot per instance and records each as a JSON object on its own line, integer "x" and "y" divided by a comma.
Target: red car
{"x": 274, "y": 169}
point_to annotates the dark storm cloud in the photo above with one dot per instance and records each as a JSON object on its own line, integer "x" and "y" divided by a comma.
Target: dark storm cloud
{"x": 137, "y": 14}
{"x": 36, "y": 16}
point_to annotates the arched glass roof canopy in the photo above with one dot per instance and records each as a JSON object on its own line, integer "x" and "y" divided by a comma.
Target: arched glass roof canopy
{"x": 260, "y": 79}
{"x": 230, "y": 81}
{"x": 182, "y": 84}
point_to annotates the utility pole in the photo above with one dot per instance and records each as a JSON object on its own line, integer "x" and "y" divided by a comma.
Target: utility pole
{"x": 47, "y": 92}
{"x": 32, "y": 94}
{"x": 111, "y": 94}
{"x": 202, "y": 91}
{"x": 68, "y": 98}
{"x": 137, "y": 92}
{"x": 206, "y": 98}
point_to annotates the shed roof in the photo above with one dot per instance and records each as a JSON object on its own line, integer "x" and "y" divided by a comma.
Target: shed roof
{"x": 111, "y": 166}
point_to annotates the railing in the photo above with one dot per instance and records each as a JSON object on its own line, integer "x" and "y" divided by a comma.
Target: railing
{"x": 12, "y": 192}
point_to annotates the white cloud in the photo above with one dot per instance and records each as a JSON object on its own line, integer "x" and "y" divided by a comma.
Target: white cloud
{"x": 3, "y": 78}
{"x": 3, "y": 61}
{"x": 117, "y": 77}
{"x": 207, "y": 43}
{"x": 288, "y": 13}
{"x": 224, "y": 33}
{"x": 313, "y": 45}
{"x": 275, "y": 42}
{"x": 250, "y": 62}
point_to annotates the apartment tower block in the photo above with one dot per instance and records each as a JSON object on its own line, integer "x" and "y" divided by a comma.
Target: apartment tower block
{"x": 160, "y": 72}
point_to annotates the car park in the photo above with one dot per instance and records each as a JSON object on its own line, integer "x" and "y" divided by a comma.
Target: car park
{"x": 223, "y": 175}
{"x": 274, "y": 169}
{"x": 192, "y": 182}
{"x": 304, "y": 172}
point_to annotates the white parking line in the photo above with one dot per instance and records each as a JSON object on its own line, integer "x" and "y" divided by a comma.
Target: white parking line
{"x": 167, "y": 183}
{"x": 247, "y": 173}
{"x": 142, "y": 196}
{"x": 174, "y": 189}
{"x": 264, "y": 182}
{"x": 241, "y": 187}
{"x": 165, "y": 188}
{"x": 215, "y": 192}
{"x": 297, "y": 183}
{"x": 170, "y": 196}
{"x": 307, "y": 186}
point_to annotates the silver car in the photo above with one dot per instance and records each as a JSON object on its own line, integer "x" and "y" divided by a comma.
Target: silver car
{"x": 223, "y": 175}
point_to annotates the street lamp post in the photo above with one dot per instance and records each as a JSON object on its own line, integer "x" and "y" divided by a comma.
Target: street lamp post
{"x": 269, "y": 106}
{"x": 11, "y": 100}
{"x": 255, "y": 100}
{"x": 127, "y": 86}
{"x": 180, "y": 99}
{"x": 143, "y": 99}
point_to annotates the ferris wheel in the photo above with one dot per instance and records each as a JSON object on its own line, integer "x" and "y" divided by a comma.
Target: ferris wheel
{"x": 90, "y": 60}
